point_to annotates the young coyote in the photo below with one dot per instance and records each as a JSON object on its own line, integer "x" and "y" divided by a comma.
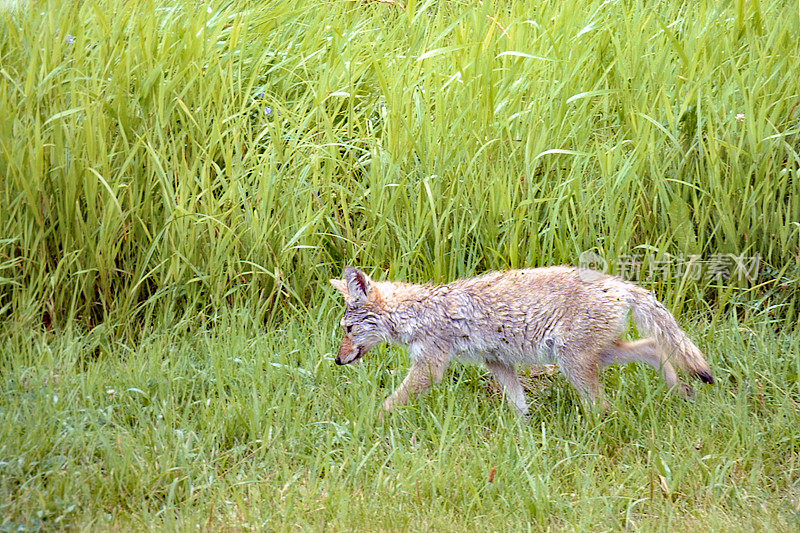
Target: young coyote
{"x": 573, "y": 317}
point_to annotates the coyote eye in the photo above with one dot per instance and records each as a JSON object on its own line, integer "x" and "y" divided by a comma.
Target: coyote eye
{"x": 348, "y": 329}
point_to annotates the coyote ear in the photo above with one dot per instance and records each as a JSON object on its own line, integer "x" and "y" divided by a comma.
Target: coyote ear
{"x": 358, "y": 285}
{"x": 341, "y": 286}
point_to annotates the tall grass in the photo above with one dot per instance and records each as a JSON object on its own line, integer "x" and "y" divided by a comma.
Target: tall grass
{"x": 165, "y": 160}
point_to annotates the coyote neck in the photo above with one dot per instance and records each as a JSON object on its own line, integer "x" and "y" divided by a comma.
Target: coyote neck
{"x": 414, "y": 311}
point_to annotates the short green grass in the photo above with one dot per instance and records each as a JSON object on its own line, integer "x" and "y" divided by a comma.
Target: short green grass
{"x": 236, "y": 428}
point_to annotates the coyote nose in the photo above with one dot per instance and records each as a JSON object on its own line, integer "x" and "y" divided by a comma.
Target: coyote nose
{"x": 338, "y": 360}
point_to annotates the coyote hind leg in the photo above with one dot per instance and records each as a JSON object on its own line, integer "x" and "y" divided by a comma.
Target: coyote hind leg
{"x": 582, "y": 368}
{"x": 621, "y": 352}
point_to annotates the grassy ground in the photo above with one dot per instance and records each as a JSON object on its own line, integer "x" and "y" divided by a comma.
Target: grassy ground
{"x": 180, "y": 178}
{"x": 238, "y": 428}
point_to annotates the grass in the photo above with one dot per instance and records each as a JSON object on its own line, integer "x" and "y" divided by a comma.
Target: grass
{"x": 167, "y": 160}
{"x": 236, "y": 428}
{"x": 181, "y": 178}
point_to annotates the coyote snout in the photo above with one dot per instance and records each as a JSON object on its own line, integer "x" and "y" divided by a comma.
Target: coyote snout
{"x": 501, "y": 319}
{"x": 349, "y": 352}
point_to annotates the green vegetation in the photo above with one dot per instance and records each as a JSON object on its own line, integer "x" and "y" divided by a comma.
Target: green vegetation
{"x": 166, "y": 160}
{"x": 180, "y": 179}
{"x": 234, "y": 428}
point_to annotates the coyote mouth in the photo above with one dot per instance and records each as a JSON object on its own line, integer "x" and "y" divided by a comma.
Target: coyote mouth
{"x": 358, "y": 357}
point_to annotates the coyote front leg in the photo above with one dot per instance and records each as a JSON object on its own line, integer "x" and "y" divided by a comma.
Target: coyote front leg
{"x": 507, "y": 376}
{"x": 425, "y": 372}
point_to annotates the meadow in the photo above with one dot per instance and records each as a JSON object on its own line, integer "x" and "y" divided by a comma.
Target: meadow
{"x": 180, "y": 180}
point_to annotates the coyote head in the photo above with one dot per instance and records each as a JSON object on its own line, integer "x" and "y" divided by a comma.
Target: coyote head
{"x": 363, "y": 322}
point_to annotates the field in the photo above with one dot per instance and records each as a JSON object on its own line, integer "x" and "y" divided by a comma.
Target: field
{"x": 181, "y": 179}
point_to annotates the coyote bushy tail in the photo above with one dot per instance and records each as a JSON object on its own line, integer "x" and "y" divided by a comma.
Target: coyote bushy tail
{"x": 653, "y": 319}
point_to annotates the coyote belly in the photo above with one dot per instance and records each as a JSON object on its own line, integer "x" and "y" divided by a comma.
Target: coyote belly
{"x": 502, "y": 319}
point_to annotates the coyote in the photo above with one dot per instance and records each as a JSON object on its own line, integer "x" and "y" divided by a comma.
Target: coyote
{"x": 574, "y": 317}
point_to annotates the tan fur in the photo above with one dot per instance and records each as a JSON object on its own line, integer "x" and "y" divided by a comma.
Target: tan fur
{"x": 573, "y": 317}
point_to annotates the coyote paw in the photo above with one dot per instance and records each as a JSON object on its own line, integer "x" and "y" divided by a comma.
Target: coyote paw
{"x": 386, "y": 408}
{"x": 686, "y": 390}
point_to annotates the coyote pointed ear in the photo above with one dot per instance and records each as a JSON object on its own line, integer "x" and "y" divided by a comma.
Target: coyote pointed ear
{"x": 358, "y": 285}
{"x": 341, "y": 286}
